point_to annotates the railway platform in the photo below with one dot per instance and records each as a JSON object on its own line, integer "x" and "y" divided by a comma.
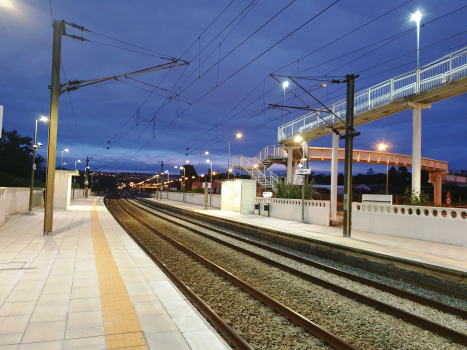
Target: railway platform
{"x": 424, "y": 253}
{"x": 89, "y": 286}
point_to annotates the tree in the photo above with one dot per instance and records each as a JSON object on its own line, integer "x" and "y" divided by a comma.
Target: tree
{"x": 16, "y": 154}
{"x": 370, "y": 171}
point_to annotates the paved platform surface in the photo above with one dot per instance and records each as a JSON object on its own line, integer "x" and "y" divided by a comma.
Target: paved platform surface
{"x": 443, "y": 255}
{"x": 89, "y": 286}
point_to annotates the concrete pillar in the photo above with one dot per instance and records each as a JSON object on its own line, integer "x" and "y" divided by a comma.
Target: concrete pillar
{"x": 334, "y": 162}
{"x": 436, "y": 178}
{"x": 290, "y": 163}
{"x": 416, "y": 149}
{"x": 417, "y": 143}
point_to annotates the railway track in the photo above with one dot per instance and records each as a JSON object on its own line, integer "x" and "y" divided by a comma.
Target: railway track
{"x": 456, "y": 336}
{"x": 255, "y": 298}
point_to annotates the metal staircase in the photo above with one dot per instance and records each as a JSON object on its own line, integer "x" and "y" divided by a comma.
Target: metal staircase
{"x": 258, "y": 166}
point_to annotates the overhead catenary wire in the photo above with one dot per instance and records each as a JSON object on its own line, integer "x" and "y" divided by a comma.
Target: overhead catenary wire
{"x": 253, "y": 60}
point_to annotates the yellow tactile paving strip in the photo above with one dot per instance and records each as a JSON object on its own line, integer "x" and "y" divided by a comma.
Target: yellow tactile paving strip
{"x": 122, "y": 328}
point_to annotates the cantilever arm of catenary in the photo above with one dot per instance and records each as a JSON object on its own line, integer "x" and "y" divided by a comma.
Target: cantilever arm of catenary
{"x": 309, "y": 107}
{"x": 76, "y": 84}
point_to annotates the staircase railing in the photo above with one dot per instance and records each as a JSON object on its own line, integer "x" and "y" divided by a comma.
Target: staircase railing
{"x": 273, "y": 151}
{"x": 254, "y": 167}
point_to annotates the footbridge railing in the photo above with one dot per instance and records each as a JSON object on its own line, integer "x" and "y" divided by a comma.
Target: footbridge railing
{"x": 434, "y": 74}
{"x": 266, "y": 178}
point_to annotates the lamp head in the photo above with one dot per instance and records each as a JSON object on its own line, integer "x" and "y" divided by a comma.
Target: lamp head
{"x": 208, "y": 161}
{"x": 285, "y": 84}
{"x": 176, "y": 167}
{"x": 206, "y": 152}
{"x": 42, "y": 119}
{"x": 417, "y": 16}
{"x": 382, "y": 147}
{"x": 39, "y": 144}
{"x": 298, "y": 138}
{"x": 239, "y": 135}
{"x": 300, "y": 165}
{"x": 66, "y": 149}
{"x": 187, "y": 161}
{"x": 79, "y": 161}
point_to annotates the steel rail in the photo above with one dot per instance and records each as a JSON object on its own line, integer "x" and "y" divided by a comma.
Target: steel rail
{"x": 327, "y": 337}
{"x": 380, "y": 286}
{"x": 218, "y": 323}
{"x": 388, "y": 309}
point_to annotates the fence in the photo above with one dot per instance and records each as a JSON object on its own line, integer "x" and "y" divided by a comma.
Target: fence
{"x": 434, "y": 224}
{"x": 316, "y": 212}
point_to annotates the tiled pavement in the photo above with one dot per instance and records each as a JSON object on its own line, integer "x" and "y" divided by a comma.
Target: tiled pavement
{"x": 49, "y": 287}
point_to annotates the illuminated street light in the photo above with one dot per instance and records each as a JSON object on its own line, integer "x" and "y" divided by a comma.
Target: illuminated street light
{"x": 78, "y": 161}
{"x": 34, "y": 149}
{"x": 285, "y": 85}
{"x": 238, "y": 136}
{"x": 61, "y": 159}
{"x": 382, "y": 148}
{"x": 298, "y": 138}
{"x": 417, "y": 16}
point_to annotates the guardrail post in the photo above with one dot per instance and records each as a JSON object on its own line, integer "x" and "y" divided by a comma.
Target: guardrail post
{"x": 450, "y": 68}
{"x": 369, "y": 99}
{"x": 391, "y": 87}
{"x": 417, "y": 84}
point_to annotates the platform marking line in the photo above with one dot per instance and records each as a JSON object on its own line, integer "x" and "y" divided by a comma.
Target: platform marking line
{"x": 121, "y": 324}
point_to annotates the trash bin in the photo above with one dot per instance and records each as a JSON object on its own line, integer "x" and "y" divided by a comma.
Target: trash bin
{"x": 257, "y": 206}
{"x": 266, "y": 208}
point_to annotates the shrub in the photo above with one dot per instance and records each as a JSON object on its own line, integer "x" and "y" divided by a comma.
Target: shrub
{"x": 416, "y": 198}
{"x": 289, "y": 191}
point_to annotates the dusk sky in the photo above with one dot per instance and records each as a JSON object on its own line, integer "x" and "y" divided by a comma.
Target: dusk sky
{"x": 227, "y": 97}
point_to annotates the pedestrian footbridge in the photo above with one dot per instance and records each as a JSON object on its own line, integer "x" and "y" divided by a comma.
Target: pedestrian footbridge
{"x": 436, "y": 81}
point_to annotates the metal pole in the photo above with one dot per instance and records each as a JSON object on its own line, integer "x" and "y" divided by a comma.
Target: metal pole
{"x": 348, "y": 156}
{"x": 210, "y": 192}
{"x": 59, "y": 29}
{"x": 184, "y": 184}
{"x": 387, "y": 179}
{"x": 418, "y": 44}
{"x": 86, "y": 183}
{"x": 283, "y": 103}
{"x": 61, "y": 161}
{"x": 34, "y": 147}
{"x": 303, "y": 199}
{"x": 228, "y": 163}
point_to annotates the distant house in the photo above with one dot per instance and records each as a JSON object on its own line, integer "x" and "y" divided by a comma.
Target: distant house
{"x": 361, "y": 188}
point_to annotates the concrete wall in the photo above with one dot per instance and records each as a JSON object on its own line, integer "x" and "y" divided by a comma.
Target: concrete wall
{"x": 195, "y": 198}
{"x": 15, "y": 199}
{"x": 316, "y": 212}
{"x": 62, "y": 188}
{"x": 434, "y": 224}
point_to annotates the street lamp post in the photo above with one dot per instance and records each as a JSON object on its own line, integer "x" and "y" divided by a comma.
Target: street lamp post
{"x": 184, "y": 182}
{"x": 228, "y": 163}
{"x": 78, "y": 161}
{"x": 382, "y": 148}
{"x": 61, "y": 159}
{"x": 34, "y": 149}
{"x": 199, "y": 167}
{"x": 417, "y": 16}
{"x": 210, "y": 192}
{"x": 285, "y": 84}
{"x": 168, "y": 181}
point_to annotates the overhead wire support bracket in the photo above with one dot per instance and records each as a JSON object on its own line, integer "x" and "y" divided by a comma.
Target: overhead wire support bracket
{"x": 294, "y": 107}
{"x": 76, "y": 84}
{"x": 334, "y": 130}
{"x": 74, "y": 25}
{"x": 76, "y": 37}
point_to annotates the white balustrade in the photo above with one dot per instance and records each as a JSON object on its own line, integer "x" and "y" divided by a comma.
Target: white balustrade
{"x": 436, "y": 73}
{"x": 435, "y": 224}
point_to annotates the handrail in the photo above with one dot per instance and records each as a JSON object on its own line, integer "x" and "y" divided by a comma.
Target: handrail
{"x": 438, "y": 72}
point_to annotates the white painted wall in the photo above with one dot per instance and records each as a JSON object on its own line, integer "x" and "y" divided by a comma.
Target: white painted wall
{"x": 434, "y": 224}
{"x": 316, "y": 212}
{"x": 62, "y": 188}
{"x": 15, "y": 199}
{"x": 195, "y": 198}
